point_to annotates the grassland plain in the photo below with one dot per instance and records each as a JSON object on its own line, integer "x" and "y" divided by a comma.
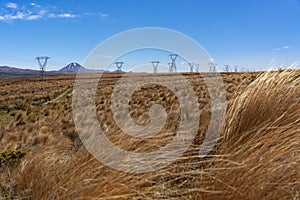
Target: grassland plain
{"x": 257, "y": 156}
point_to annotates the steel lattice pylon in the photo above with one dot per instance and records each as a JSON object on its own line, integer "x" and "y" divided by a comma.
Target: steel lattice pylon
{"x": 173, "y": 67}
{"x": 155, "y": 66}
{"x": 119, "y": 66}
{"x": 42, "y": 61}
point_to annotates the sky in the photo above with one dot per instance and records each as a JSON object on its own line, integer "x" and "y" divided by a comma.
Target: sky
{"x": 253, "y": 34}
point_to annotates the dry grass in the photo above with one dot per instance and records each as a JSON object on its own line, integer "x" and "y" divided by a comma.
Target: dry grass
{"x": 257, "y": 156}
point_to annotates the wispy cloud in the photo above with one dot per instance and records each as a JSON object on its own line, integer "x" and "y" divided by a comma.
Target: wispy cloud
{"x": 9, "y": 17}
{"x": 99, "y": 14}
{"x": 103, "y": 14}
{"x": 32, "y": 11}
{"x": 12, "y": 5}
{"x": 33, "y": 4}
{"x": 282, "y": 48}
{"x": 63, "y": 15}
{"x": 33, "y": 17}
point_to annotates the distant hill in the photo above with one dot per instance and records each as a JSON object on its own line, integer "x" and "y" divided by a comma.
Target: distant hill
{"x": 16, "y": 71}
{"x": 73, "y": 68}
{"x": 7, "y": 72}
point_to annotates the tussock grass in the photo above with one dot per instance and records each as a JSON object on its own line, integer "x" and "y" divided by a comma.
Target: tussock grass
{"x": 8, "y": 163}
{"x": 257, "y": 157}
{"x": 261, "y": 139}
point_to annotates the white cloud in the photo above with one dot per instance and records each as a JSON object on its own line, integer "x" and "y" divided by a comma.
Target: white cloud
{"x": 33, "y": 17}
{"x": 281, "y": 48}
{"x": 43, "y": 12}
{"x": 51, "y": 15}
{"x": 33, "y": 11}
{"x": 66, "y": 15}
{"x": 12, "y": 5}
{"x": 35, "y": 5}
{"x": 9, "y": 17}
{"x": 20, "y": 16}
{"x": 103, "y": 15}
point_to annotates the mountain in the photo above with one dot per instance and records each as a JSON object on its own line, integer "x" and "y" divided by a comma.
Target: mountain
{"x": 16, "y": 71}
{"x": 73, "y": 68}
{"x": 7, "y": 73}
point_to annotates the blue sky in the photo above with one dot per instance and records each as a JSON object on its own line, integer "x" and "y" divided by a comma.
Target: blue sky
{"x": 248, "y": 33}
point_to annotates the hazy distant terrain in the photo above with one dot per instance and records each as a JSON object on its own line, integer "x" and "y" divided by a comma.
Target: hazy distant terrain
{"x": 9, "y": 73}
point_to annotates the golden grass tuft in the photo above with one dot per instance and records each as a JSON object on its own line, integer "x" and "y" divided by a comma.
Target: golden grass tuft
{"x": 257, "y": 157}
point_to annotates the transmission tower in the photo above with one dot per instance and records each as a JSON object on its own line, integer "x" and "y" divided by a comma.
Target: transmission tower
{"x": 170, "y": 66}
{"x": 192, "y": 65}
{"x": 197, "y": 67}
{"x": 227, "y": 68}
{"x": 173, "y": 67}
{"x": 236, "y": 68}
{"x": 212, "y": 67}
{"x": 42, "y": 61}
{"x": 119, "y": 66}
{"x": 155, "y": 66}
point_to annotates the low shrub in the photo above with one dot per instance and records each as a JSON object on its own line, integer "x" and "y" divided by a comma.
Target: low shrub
{"x": 11, "y": 156}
